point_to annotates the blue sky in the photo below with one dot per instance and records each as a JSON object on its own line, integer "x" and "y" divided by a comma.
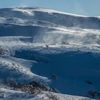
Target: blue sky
{"x": 83, "y": 7}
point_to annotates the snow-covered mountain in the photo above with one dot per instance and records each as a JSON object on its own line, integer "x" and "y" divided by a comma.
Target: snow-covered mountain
{"x": 31, "y": 16}
{"x": 56, "y": 48}
{"x": 37, "y": 25}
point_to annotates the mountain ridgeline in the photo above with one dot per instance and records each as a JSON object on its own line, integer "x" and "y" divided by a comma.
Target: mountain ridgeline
{"x": 36, "y": 15}
{"x": 49, "y": 26}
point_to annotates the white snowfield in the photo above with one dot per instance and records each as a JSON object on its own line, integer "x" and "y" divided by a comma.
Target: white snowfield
{"x": 6, "y": 94}
{"x": 59, "y": 49}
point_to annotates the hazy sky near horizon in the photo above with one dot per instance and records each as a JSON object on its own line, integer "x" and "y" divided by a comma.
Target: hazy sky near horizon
{"x": 82, "y": 7}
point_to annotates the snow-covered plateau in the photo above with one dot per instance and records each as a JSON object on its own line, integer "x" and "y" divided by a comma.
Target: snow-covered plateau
{"x": 61, "y": 50}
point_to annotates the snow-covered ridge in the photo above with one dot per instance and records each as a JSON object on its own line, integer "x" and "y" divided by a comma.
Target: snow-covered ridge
{"x": 35, "y": 14}
{"x": 44, "y": 10}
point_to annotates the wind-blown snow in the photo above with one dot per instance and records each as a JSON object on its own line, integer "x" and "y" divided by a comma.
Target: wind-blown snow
{"x": 27, "y": 12}
{"x": 39, "y": 43}
{"x": 44, "y": 10}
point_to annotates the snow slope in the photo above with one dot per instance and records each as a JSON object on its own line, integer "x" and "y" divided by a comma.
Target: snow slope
{"x": 57, "y": 48}
{"x": 17, "y": 95}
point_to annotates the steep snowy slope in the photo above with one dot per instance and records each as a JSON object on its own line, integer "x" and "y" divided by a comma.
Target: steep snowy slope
{"x": 57, "y": 48}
